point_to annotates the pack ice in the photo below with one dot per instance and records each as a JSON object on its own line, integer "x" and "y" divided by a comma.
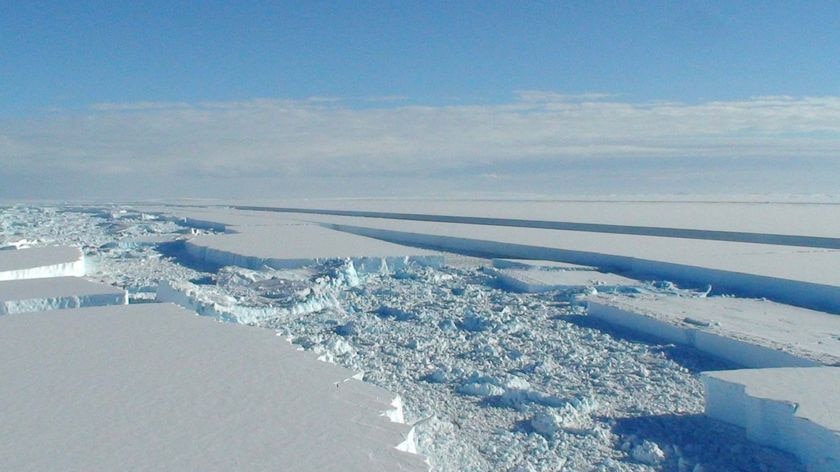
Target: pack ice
{"x": 754, "y": 333}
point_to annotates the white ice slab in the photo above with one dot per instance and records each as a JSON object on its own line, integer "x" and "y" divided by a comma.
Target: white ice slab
{"x": 154, "y": 387}
{"x": 38, "y": 262}
{"x": 285, "y": 246}
{"x": 793, "y": 409}
{"x": 19, "y": 296}
{"x": 762, "y": 217}
{"x": 748, "y": 332}
{"x": 543, "y": 280}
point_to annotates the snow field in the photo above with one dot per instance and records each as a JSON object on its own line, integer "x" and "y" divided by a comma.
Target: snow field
{"x": 159, "y": 388}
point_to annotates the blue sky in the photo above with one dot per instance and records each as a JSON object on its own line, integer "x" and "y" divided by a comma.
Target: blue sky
{"x": 70, "y": 54}
{"x": 93, "y": 88}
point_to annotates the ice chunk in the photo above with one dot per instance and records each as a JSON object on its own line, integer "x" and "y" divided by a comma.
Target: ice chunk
{"x": 481, "y": 386}
{"x": 475, "y": 323}
{"x": 648, "y": 453}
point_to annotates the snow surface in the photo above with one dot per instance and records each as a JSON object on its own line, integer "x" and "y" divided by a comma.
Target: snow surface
{"x": 38, "y": 262}
{"x": 18, "y": 296}
{"x": 153, "y": 387}
{"x": 748, "y": 332}
{"x": 793, "y": 409}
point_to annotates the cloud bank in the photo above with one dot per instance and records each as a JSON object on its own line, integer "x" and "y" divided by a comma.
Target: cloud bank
{"x": 328, "y": 140}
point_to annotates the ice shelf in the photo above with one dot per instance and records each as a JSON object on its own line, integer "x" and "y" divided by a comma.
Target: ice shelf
{"x": 154, "y": 387}
{"x": 784, "y": 273}
{"x": 793, "y": 409}
{"x": 748, "y": 332}
{"x": 19, "y": 296}
{"x": 39, "y": 262}
{"x": 292, "y": 245}
{"x": 787, "y": 274}
{"x": 761, "y": 217}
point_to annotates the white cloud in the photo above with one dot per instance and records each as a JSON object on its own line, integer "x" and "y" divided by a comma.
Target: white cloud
{"x": 325, "y": 137}
{"x": 549, "y": 96}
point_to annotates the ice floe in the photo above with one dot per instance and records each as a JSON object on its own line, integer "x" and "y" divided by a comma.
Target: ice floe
{"x": 18, "y": 296}
{"x": 793, "y": 409}
{"x": 751, "y": 333}
{"x": 38, "y": 262}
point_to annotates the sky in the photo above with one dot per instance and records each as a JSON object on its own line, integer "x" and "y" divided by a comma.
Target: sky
{"x": 288, "y": 99}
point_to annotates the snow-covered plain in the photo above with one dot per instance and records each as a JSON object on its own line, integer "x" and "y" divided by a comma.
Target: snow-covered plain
{"x": 153, "y": 387}
{"x": 490, "y": 379}
{"x": 19, "y": 296}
